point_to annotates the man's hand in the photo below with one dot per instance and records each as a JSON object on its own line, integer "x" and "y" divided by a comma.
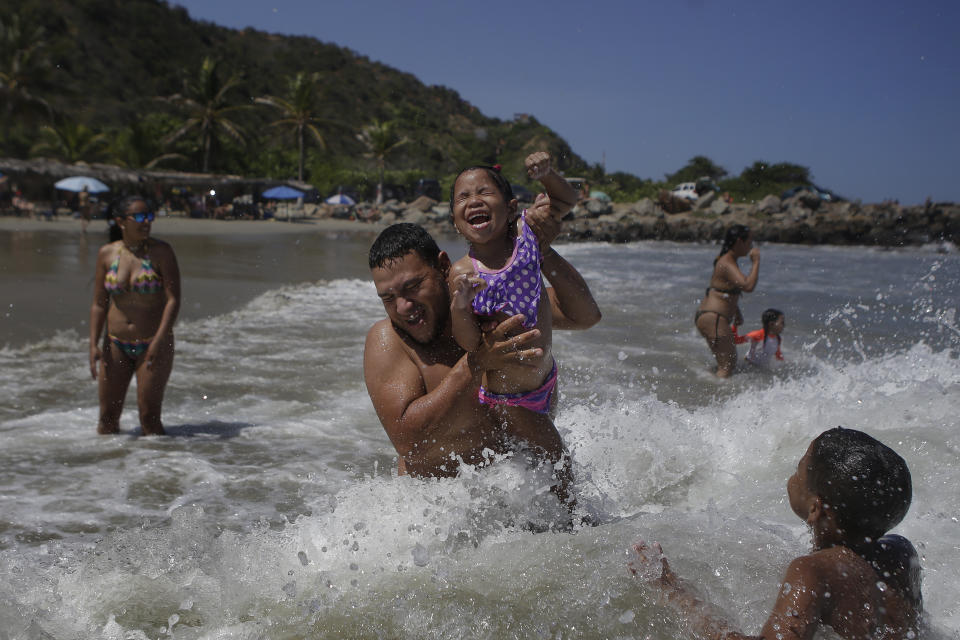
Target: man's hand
{"x": 500, "y": 347}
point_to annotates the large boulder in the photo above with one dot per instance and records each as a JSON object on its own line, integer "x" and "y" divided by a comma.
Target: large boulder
{"x": 720, "y": 207}
{"x": 423, "y": 203}
{"x": 415, "y": 216}
{"x": 597, "y": 207}
{"x": 705, "y": 201}
{"x": 673, "y": 204}
{"x": 769, "y": 205}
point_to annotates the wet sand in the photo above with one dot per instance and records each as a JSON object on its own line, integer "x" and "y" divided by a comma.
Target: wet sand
{"x": 176, "y": 225}
{"x": 46, "y": 267}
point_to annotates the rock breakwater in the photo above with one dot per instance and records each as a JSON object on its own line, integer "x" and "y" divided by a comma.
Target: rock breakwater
{"x": 798, "y": 220}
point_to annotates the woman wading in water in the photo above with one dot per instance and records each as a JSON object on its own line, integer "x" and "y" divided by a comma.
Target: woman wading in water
{"x": 136, "y": 296}
{"x": 720, "y": 306}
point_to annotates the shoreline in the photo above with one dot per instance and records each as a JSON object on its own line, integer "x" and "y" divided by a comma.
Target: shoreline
{"x": 795, "y": 221}
{"x": 176, "y": 225}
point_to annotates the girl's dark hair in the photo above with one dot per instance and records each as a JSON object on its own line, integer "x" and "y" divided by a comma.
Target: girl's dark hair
{"x": 770, "y": 316}
{"x": 734, "y": 233}
{"x": 863, "y": 481}
{"x": 503, "y": 185}
{"x": 398, "y": 240}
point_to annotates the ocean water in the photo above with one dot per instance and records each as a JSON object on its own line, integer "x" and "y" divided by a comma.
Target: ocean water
{"x": 272, "y": 510}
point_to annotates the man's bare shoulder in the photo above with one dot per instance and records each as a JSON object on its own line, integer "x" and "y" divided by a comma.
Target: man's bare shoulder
{"x": 382, "y": 337}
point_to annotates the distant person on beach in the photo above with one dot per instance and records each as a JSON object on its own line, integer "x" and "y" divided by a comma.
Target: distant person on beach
{"x": 501, "y": 277}
{"x": 719, "y": 310}
{"x": 84, "y": 208}
{"x": 851, "y": 490}
{"x": 765, "y": 342}
{"x": 136, "y": 298}
{"x": 423, "y": 385}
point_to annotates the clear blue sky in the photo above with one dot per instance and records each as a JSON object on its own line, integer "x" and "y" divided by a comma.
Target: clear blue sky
{"x": 864, "y": 93}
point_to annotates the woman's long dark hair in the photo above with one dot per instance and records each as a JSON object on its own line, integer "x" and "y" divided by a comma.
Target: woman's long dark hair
{"x": 116, "y": 209}
{"x": 734, "y": 233}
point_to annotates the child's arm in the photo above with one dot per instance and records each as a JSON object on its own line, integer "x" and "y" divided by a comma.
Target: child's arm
{"x": 562, "y": 195}
{"x": 464, "y": 287}
{"x": 795, "y": 616}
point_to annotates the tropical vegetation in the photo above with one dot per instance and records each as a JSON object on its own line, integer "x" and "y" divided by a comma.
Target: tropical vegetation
{"x": 140, "y": 84}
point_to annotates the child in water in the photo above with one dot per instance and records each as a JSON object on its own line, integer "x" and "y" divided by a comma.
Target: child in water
{"x": 850, "y": 489}
{"x": 501, "y": 276}
{"x": 765, "y": 342}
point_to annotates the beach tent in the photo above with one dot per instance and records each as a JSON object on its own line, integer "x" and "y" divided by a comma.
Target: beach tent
{"x": 340, "y": 198}
{"x": 282, "y": 192}
{"x": 78, "y": 183}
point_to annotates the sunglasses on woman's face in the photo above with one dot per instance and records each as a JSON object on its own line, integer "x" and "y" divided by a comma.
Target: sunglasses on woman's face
{"x": 141, "y": 217}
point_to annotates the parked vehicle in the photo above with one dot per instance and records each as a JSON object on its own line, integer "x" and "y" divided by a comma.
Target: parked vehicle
{"x": 686, "y": 190}
{"x": 824, "y": 194}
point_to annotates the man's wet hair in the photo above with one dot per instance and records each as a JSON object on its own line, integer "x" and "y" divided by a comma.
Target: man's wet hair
{"x": 398, "y": 240}
{"x": 865, "y": 482}
{"x": 769, "y": 316}
{"x": 502, "y": 184}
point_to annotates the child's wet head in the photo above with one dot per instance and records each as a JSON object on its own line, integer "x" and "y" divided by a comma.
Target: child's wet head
{"x": 866, "y": 483}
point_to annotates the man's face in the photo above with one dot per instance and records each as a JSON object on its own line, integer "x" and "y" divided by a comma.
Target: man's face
{"x": 414, "y": 295}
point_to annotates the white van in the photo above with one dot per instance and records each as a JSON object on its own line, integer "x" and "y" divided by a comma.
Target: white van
{"x": 686, "y": 190}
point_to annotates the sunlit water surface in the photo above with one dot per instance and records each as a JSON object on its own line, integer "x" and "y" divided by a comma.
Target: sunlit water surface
{"x": 272, "y": 510}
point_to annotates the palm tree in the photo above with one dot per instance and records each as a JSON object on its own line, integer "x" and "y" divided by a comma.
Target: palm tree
{"x": 137, "y": 145}
{"x": 70, "y": 142}
{"x": 206, "y": 103}
{"x": 299, "y": 112}
{"x": 381, "y": 139}
{"x": 24, "y": 68}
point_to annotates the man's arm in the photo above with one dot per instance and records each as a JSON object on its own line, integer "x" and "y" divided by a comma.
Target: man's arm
{"x": 571, "y": 302}
{"x": 410, "y": 415}
{"x": 563, "y": 197}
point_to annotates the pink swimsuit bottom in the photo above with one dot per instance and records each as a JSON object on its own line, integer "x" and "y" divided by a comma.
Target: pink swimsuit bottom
{"x": 537, "y": 400}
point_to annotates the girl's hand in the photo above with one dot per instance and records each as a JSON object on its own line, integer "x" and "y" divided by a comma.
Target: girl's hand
{"x": 538, "y": 164}
{"x": 649, "y": 564}
{"x": 95, "y": 357}
{"x": 465, "y": 288}
{"x": 754, "y": 255}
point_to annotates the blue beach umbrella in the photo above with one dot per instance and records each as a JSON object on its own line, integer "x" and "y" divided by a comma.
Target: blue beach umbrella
{"x": 78, "y": 183}
{"x": 340, "y": 198}
{"x": 282, "y": 192}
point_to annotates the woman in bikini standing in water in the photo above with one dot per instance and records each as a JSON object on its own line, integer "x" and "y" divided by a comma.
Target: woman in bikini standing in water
{"x": 136, "y": 296}
{"x": 719, "y": 308}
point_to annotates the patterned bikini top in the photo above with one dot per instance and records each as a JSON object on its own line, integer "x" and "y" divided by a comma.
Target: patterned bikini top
{"x": 516, "y": 287}
{"x": 145, "y": 282}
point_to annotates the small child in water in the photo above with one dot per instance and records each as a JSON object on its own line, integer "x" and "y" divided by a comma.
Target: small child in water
{"x": 850, "y": 489}
{"x": 765, "y": 342}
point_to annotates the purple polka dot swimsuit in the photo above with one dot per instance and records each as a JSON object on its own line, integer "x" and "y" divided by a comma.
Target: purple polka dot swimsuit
{"x": 515, "y": 288}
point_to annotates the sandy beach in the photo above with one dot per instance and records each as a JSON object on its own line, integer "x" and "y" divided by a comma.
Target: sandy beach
{"x": 178, "y": 226}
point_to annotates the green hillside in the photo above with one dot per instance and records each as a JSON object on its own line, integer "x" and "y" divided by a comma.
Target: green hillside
{"x": 115, "y": 80}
